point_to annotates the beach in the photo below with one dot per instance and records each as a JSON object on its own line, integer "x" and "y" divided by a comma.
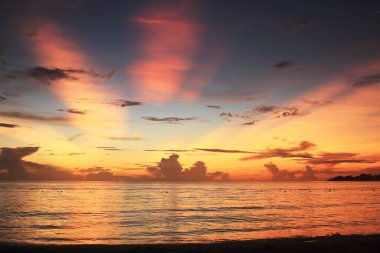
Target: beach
{"x": 332, "y": 243}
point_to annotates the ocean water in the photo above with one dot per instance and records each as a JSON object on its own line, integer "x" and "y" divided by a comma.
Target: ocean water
{"x": 135, "y": 213}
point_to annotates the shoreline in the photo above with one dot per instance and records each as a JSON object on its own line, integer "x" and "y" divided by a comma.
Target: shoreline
{"x": 332, "y": 243}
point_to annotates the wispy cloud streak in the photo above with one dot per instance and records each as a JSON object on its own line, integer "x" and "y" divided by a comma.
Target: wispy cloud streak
{"x": 168, "y": 41}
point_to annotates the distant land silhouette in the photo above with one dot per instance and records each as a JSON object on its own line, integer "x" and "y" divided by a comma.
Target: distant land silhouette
{"x": 361, "y": 177}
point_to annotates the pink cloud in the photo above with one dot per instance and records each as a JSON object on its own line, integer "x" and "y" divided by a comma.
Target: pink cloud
{"x": 169, "y": 39}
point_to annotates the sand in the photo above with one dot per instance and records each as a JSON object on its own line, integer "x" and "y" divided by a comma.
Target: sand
{"x": 325, "y": 244}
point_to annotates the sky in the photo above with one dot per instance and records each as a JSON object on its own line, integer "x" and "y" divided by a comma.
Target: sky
{"x": 189, "y": 90}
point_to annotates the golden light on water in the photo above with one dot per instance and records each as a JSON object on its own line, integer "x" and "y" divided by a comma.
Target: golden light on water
{"x": 119, "y": 213}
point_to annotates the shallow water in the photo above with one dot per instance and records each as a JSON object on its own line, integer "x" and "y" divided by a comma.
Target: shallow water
{"x": 129, "y": 213}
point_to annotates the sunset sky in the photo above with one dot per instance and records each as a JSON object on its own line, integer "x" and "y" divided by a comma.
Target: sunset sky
{"x": 223, "y": 90}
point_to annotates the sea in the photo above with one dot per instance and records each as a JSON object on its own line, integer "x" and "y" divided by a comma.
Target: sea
{"x": 141, "y": 213}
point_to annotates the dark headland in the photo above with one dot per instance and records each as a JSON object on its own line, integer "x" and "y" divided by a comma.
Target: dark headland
{"x": 361, "y": 177}
{"x": 333, "y": 243}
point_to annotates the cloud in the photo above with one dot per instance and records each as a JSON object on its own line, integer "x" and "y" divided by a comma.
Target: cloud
{"x": 101, "y": 174}
{"x": 123, "y": 103}
{"x": 48, "y": 172}
{"x": 265, "y": 108}
{"x": 169, "y": 169}
{"x": 290, "y": 111}
{"x": 214, "y": 107}
{"x": 34, "y": 117}
{"x": 6, "y": 125}
{"x": 330, "y": 158}
{"x": 250, "y": 123}
{"x": 6, "y": 94}
{"x": 75, "y": 136}
{"x": 111, "y": 102}
{"x": 371, "y": 170}
{"x": 229, "y": 116}
{"x": 279, "y": 175}
{"x": 93, "y": 73}
{"x": 170, "y": 120}
{"x": 309, "y": 174}
{"x": 102, "y": 147}
{"x": 280, "y": 111}
{"x": 317, "y": 102}
{"x": 169, "y": 150}
{"x": 291, "y": 152}
{"x": 197, "y": 172}
{"x": 76, "y": 153}
{"x": 286, "y": 175}
{"x": 121, "y": 138}
{"x": 217, "y": 150}
{"x": 13, "y": 167}
{"x": 48, "y": 75}
{"x": 74, "y": 111}
{"x": 252, "y": 113}
{"x": 93, "y": 169}
{"x": 11, "y": 160}
{"x": 109, "y": 148}
{"x": 31, "y": 32}
{"x": 169, "y": 39}
{"x": 367, "y": 80}
{"x": 226, "y": 115}
{"x": 283, "y": 64}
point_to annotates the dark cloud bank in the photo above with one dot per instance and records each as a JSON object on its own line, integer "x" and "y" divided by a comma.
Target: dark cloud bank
{"x": 74, "y": 111}
{"x": 14, "y": 167}
{"x": 33, "y": 117}
{"x": 48, "y": 75}
{"x": 111, "y": 102}
{"x": 169, "y": 169}
{"x": 217, "y": 107}
{"x": 285, "y": 175}
{"x": 290, "y": 152}
{"x": 283, "y": 64}
{"x": 251, "y": 115}
{"x": 7, "y": 125}
{"x": 170, "y": 120}
{"x": 302, "y": 152}
{"x": 367, "y": 80}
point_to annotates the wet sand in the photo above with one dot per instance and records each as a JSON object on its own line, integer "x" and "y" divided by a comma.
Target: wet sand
{"x": 333, "y": 243}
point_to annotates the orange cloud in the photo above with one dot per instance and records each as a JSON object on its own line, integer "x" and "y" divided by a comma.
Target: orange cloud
{"x": 168, "y": 42}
